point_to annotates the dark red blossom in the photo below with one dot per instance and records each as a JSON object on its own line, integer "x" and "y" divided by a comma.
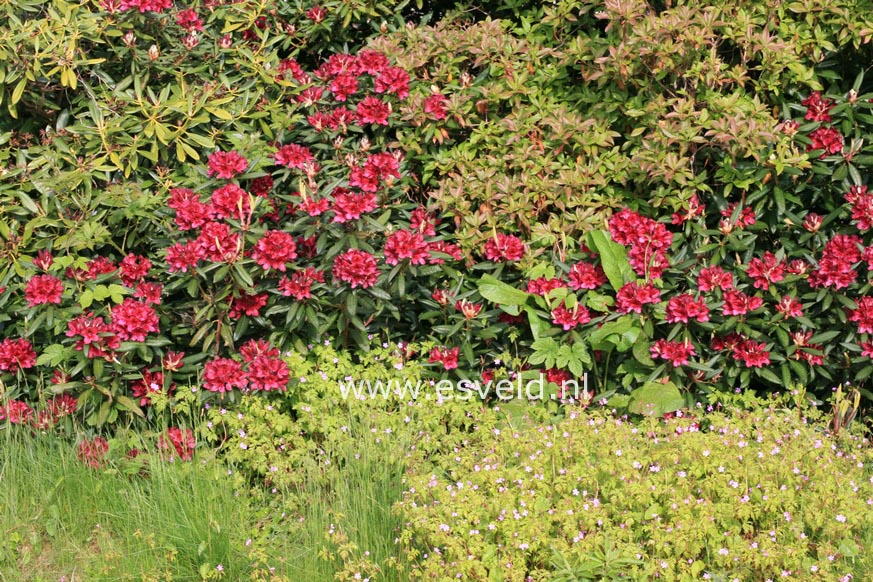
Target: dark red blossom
{"x": 584, "y": 275}
{"x": 765, "y": 270}
{"x": 372, "y": 62}
{"x": 789, "y": 307}
{"x": 862, "y": 207}
{"x": 191, "y": 213}
{"x": 178, "y": 441}
{"x": 684, "y": 308}
{"x": 247, "y": 304}
{"x": 157, "y": 6}
{"x": 543, "y": 286}
{"x": 504, "y": 247}
{"x": 440, "y": 247}
{"x": 422, "y": 221}
{"x": 692, "y": 210}
{"x": 349, "y": 206}
{"x": 738, "y": 303}
{"x": 570, "y": 318}
{"x": 372, "y": 110}
{"x": 467, "y": 308}
{"x": 268, "y": 373}
{"x": 403, "y": 244}
{"x": 189, "y": 20}
{"x": 836, "y": 266}
{"x": 343, "y": 86}
{"x": 745, "y": 217}
{"x": 393, "y": 80}
{"x": 216, "y": 242}
{"x": 648, "y": 239}
{"x": 223, "y": 375}
{"x": 184, "y": 256}
{"x": 134, "y": 268}
{"x": 150, "y": 383}
{"x": 149, "y": 292}
{"x": 98, "y": 335}
{"x": 274, "y": 250}
{"x": 293, "y": 155}
{"x": 133, "y": 320}
{"x": 43, "y": 260}
{"x": 441, "y": 296}
{"x": 226, "y": 165}
{"x": 805, "y": 350}
{"x": 357, "y": 268}
{"x": 435, "y": 106}
{"x": 812, "y": 222}
{"x": 231, "y": 201}
{"x": 257, "y": 347}
{"x": 753, "y": 354}
{"x": 172, "y": 361}
{"x": 632, "y": 296}
{"x": 16, "y": 354}
{"x": 676, "y": 352}
{"x": 818, "y": 108}
{"x": 300, "y": 284}
{"x": 316, "y": 14}
{"x": 448, "y": 357}
{"x": 313, "y": 206}
{"x": 863, "y": 315}
{"x": 42, "y": 289}
{"x": 827, "y": 139}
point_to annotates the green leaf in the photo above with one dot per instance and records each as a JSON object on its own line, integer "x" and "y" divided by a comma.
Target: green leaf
{"x": 501, "y": 293}
{"x": 655, "y": 399}
{"x": 128, "y": 403}
{"x": 613, "y": 259}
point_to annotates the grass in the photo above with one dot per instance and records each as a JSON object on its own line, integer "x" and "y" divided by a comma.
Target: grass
{"x": 65, "y": 521}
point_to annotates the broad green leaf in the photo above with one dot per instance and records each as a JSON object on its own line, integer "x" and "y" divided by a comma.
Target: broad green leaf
{"x": 655, "y": 399}
{"x": 613, "y": 259}
{"x": 501, "y": 293}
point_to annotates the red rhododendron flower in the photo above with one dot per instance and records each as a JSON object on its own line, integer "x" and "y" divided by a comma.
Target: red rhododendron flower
{"x": 43, "y": 260}
{"x": 226, "y": 165}
{"x": 172, "y": 361}
{"x": 310, "y": 96}
{"x": 299, "y": 285}
{"x": 448, "y": 357}
{"x": 181, "y": 441}
{"x": 373, "y": 110}
{"x": 62, "y": 405}
{"x": 504, "y": 247}
{"x": 341, "y": 118}
{"x": 632, "y": 297}
{"x": 16, "y": 412}
{"x": 422, "y": 221}
{"x": 190, "y": 211}
{"x": 247, "y": 304}
{"x": 339, "y": 64}
{"x": 133, "y": 320}
{"x": 274, "y": 250}
{"x": 648, "y": 240}
{"x": 867, "y": 349}
{"x": 92, "y": 452}
{"x": 267, "y": 373}
{"x": 43, "y": 289}
{"x": 357, "y": 268}
{"x": 150, "y": 293}
{"x": 862, "y": 207}
{"x": 836, "y": 266}
{"x": 753, "y": 354}
{"x": 468, "y": 309}
{"x": 863, "y": 315}
{"x": 350, "y": 206}
{"x": 684, "y": 308}
{"x": 441, "y": 296}
{"x": 231, "y": 201}
{"x": 693, "y": 210}
{"x": 677, "y": 353}
{"x": 189, "y": 20}
{"x": 261, "y": 186}
{"x": 827, "y": 139}
{"x": 344, "y": 86}
{"x": 745, "y": 217}
{"x": 818, "y": 109}
{"x": 801, "y": 340}
{"x": 223, "y": 375}
{"x": 257, "y": 347}
{"x": 293, "y": 156}
{"x": 765, "y": 270}
{"x": 812, "y": 222}
{"x": 316, "y": 14}
{"x": 738, "y": 303}
{"x": 372, "y": 62}
{"x": 790, "y": 307}
{"x": 393, "y": 80}
{"x": 403, "y": 244}
{"x": 100, "y": 266}
{"x": 95, "y": 333}
{"x": 586, "y": 276}
{"x": 543, "y": 286}
{"x": 570, "y": 318}
{"x": 16, "y": 354}
{"x": 440, "y": 247}
{"x": 183, "y": 256}
{"x": 217, "y": 243}
{"x": 797, "y": 267}
{"x": 314, "y": 207}
{"x": 435, "y": 106}
{"x": 134, "y": 268}
{"x": 146, "y": 5}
